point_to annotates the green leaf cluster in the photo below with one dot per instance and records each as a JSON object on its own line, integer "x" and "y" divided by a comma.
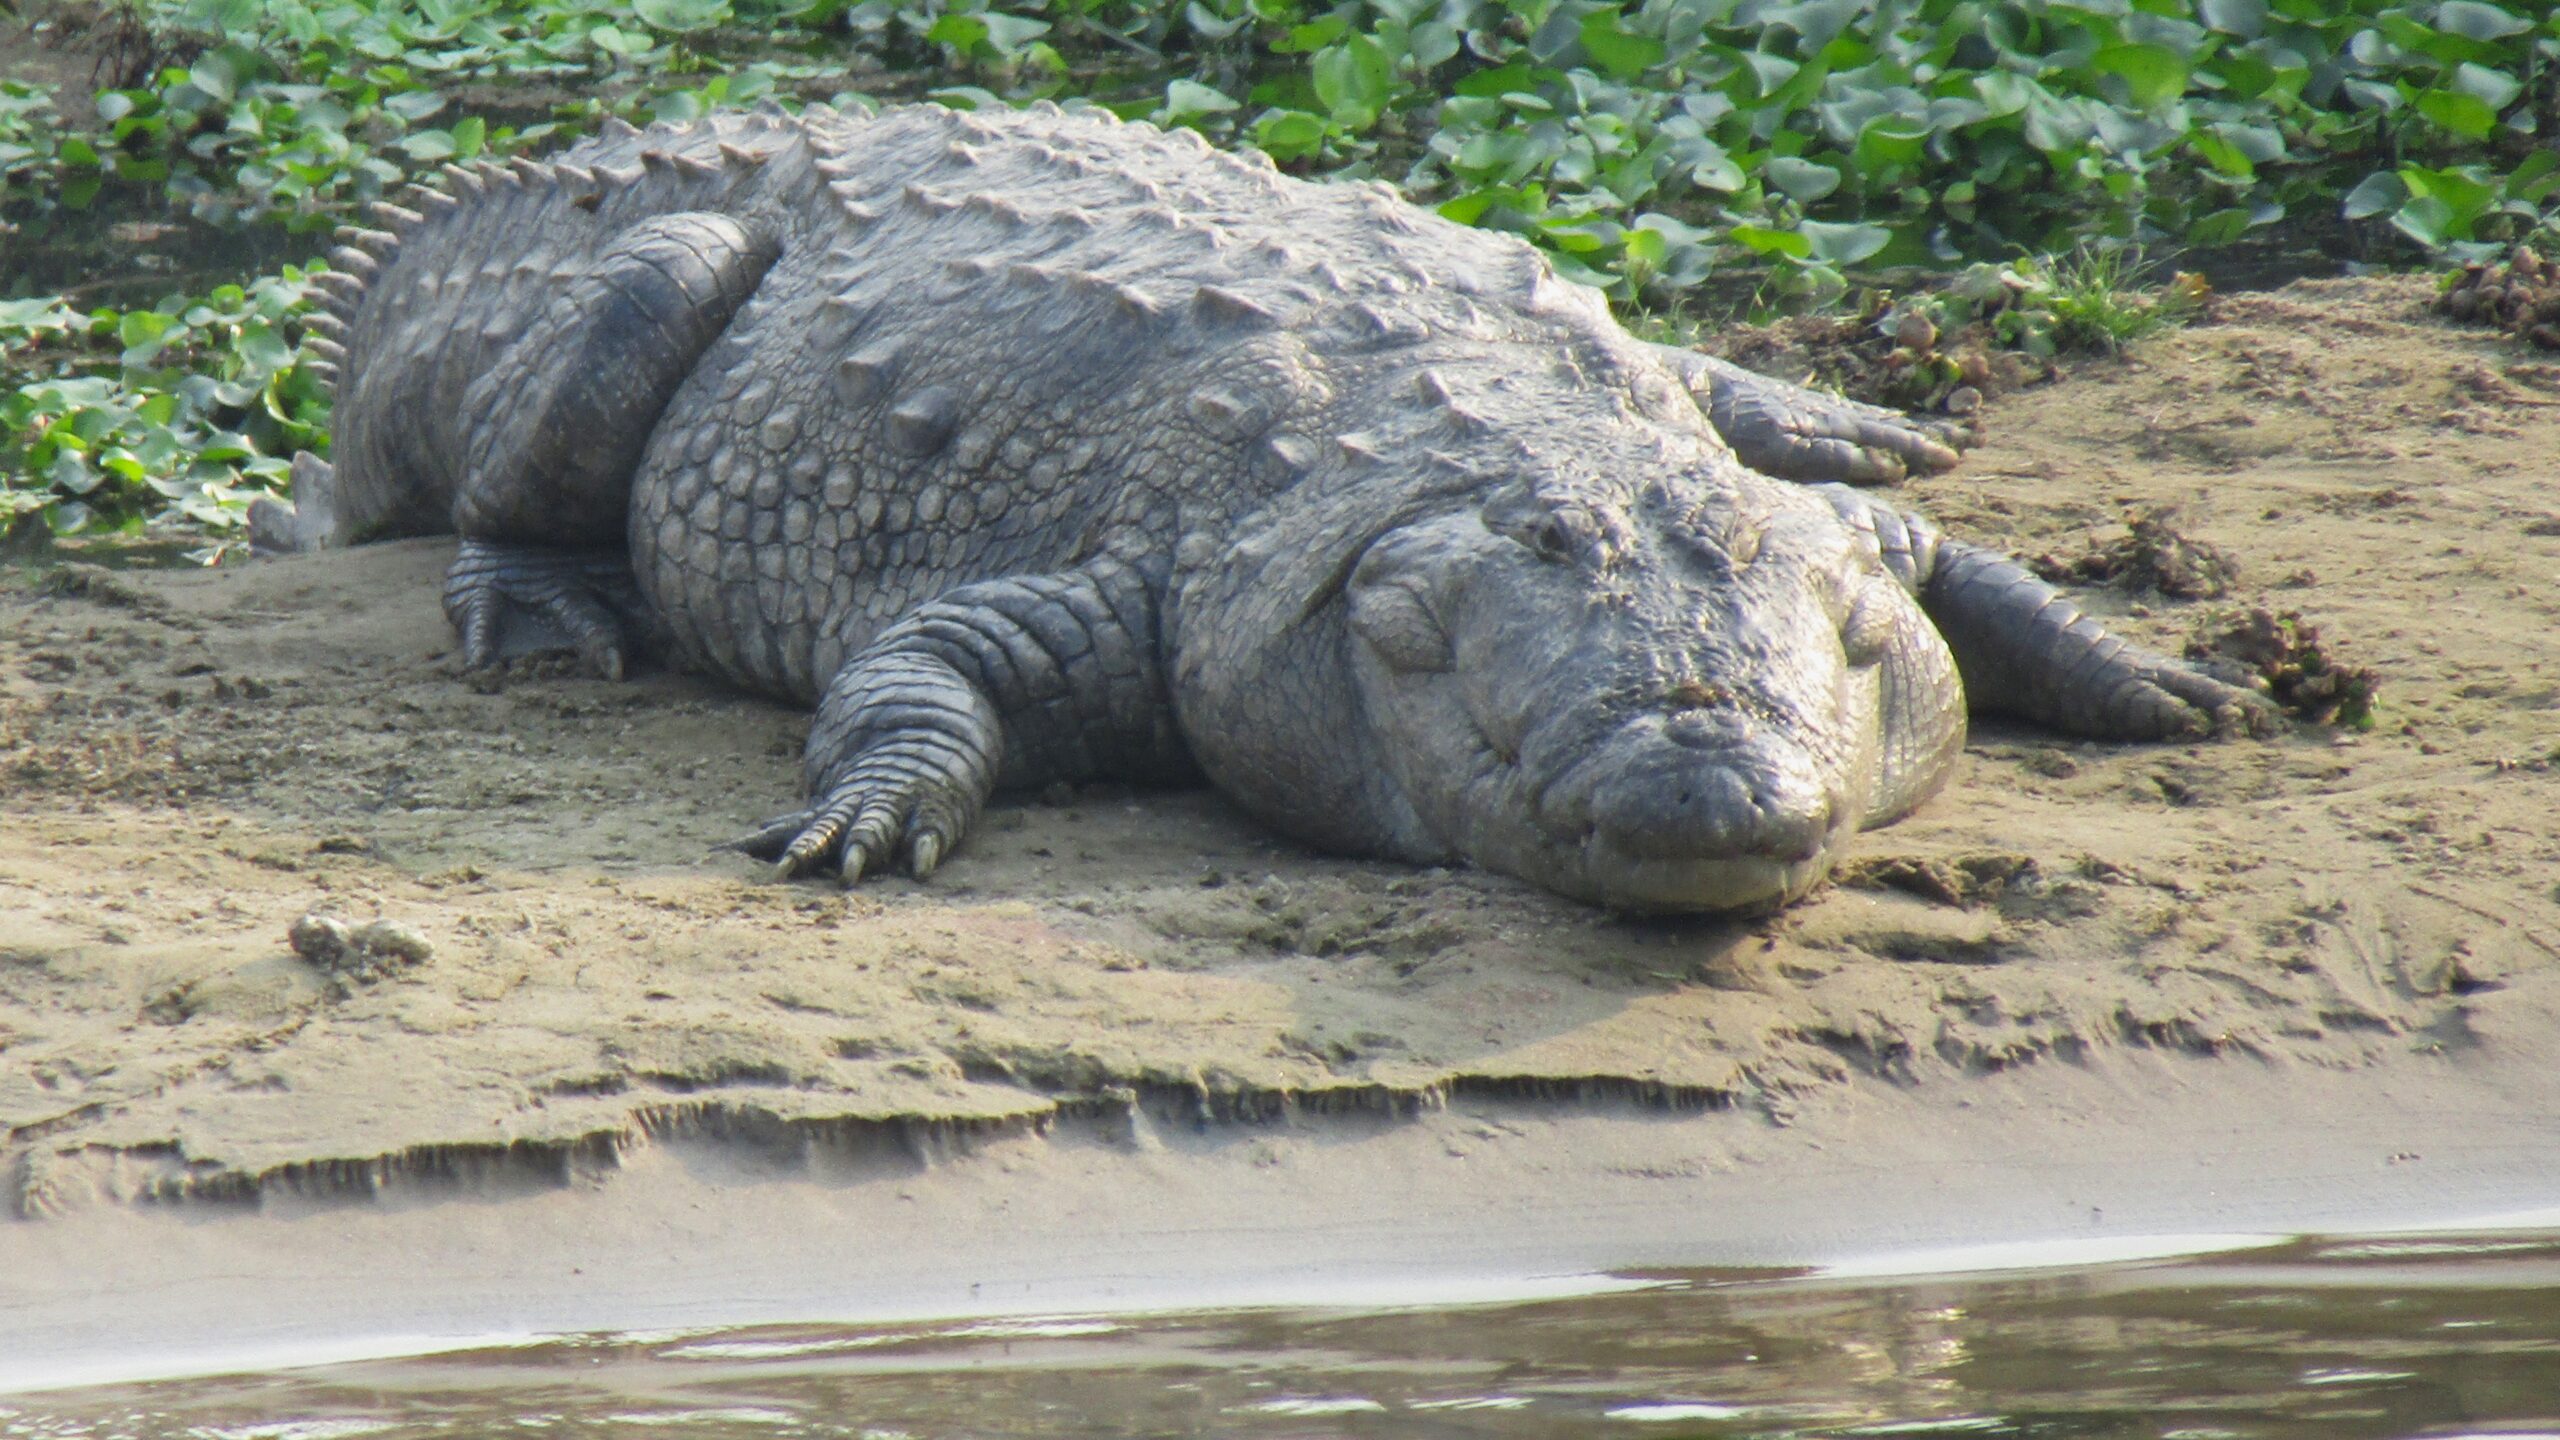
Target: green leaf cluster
{"x": 1643, "y": 144}
{"x": 178, "y": 413}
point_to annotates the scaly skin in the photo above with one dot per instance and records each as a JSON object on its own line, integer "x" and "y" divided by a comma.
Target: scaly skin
{"x": 1038, "y": 447}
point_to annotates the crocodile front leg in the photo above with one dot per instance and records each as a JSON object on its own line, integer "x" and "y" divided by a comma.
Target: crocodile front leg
{"x": 1794, "y": 433}
{"x": 1017, "y": 682}
{"x": 2025, "y": 649}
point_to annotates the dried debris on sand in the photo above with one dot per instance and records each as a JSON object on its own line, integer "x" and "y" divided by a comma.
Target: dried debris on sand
{"x": 2521, "y": 297}
{"x": 2152, "y": 555}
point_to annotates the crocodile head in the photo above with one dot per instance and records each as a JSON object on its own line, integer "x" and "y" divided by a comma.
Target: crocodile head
{"x": 1676, "y": 697}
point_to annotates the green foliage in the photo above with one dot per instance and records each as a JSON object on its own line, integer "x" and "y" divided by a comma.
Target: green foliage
{"x": 29, "y": 141}
{"x": 184, "y": 411}
{"x": 2093, "y": 299}
{"x": 1643, "y": 144}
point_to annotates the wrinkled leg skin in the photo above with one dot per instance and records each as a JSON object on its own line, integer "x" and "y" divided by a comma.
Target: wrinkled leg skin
{"x": 2025, "y": 649}
{"x": 1022, "y": 681}
{"x": 555, "y": 429}
{"x": 1793, "y": 433}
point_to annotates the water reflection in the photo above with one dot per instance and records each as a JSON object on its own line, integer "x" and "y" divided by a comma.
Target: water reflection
{"x": 2442, "y": 1338}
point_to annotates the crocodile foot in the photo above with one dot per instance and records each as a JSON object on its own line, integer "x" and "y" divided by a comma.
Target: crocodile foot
{"x": 1799, "y": 434}
{"x": 508, "y": 600}
{"x": 902, "y": 758}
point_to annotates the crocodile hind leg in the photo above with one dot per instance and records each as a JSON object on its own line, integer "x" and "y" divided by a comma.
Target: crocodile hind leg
{"x": 554, "y": 432}
{"x": 1794, "y": 433}
{"x": 1021, "y": 681}
{"x": 2025, "y": 649}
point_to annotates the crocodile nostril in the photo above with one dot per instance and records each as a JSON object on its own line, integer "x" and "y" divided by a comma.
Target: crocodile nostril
{"x": 1698, "y": 729}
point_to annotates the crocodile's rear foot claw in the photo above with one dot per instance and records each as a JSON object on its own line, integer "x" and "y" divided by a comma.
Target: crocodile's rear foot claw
{"x": 507, "y": 600}
{"x": 2218, "y": 708}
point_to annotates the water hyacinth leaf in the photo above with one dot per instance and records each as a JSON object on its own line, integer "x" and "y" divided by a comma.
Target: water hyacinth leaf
{"x": 1804, "y": 181}
{"x": 2225, "y": 157}
{"x": 1189, "y": 100}
{"x": 1489, "y": 84}
{"x": 1771, "y": 242}
{"x": 1210, "y": 26}
{"x": 2244, "y": 18}
{"x": 2464, "y": 115}
{"x": 2537, "y": 176}
{"x": 1620, "y": 51}
{"x": 681, "y": 17}
{"x": 1309, "y": 38}
{"x": 1843, "y": 244}
{"x": 2378, "y": 194}
{"x": 1433, "y": 44}
{"x": 2493, "y": 88}
{"x": 1287, "y": 135}
{"x": 1009, "y": 35}
{"x": 1890, "y": 140}
{"x": 2425, "y": 219}
{"x": 213, "y": 76}
{"x": 1353, "y": 80}
{"x": 2154, "y": 74}
{"x": 428, "y": 146}
{"x": 614, "y": 40}
{"x": 2476, "y": 21}
{"x": 413, "y": 106}
{"x": 960, "y": 32}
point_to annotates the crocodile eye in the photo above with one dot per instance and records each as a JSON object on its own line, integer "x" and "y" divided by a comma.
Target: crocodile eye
{"x": 1401, "y": 629}
{"x": 1543, "y": 535}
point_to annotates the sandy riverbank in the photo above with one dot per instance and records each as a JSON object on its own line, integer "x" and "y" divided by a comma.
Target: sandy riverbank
{"x": 2326, "y": 950}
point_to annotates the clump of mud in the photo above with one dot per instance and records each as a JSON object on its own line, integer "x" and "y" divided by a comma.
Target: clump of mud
{"x": 1965, "y": 881}
{"x": 2152, "y": 555}
{"x": 2285, "y": 651}
{"x": 2521, "y": 297}
{"x": 1884, "y": 355}
{"x": 354, "y": 955}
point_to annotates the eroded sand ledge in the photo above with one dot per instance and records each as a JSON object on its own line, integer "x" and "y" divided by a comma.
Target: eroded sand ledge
{"x": 2321, "y": 939}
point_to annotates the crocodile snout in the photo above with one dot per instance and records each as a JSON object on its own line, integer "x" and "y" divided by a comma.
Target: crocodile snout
{"x": 1700, "y": 809}
{"x": 1701, "y": 783}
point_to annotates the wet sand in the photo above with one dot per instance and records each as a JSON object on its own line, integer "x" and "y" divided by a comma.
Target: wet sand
{"x": 1129, "y": 1049}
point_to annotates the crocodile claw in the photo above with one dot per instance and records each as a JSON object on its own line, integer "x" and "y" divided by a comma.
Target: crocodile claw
{"x": 507, "y": 600}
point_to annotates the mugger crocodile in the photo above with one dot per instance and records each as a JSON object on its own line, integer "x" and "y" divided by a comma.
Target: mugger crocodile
{"x": 1038, "y": 447}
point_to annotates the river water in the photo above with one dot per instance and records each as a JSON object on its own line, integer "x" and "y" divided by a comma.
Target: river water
{"x": 2329, "y": 1339}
